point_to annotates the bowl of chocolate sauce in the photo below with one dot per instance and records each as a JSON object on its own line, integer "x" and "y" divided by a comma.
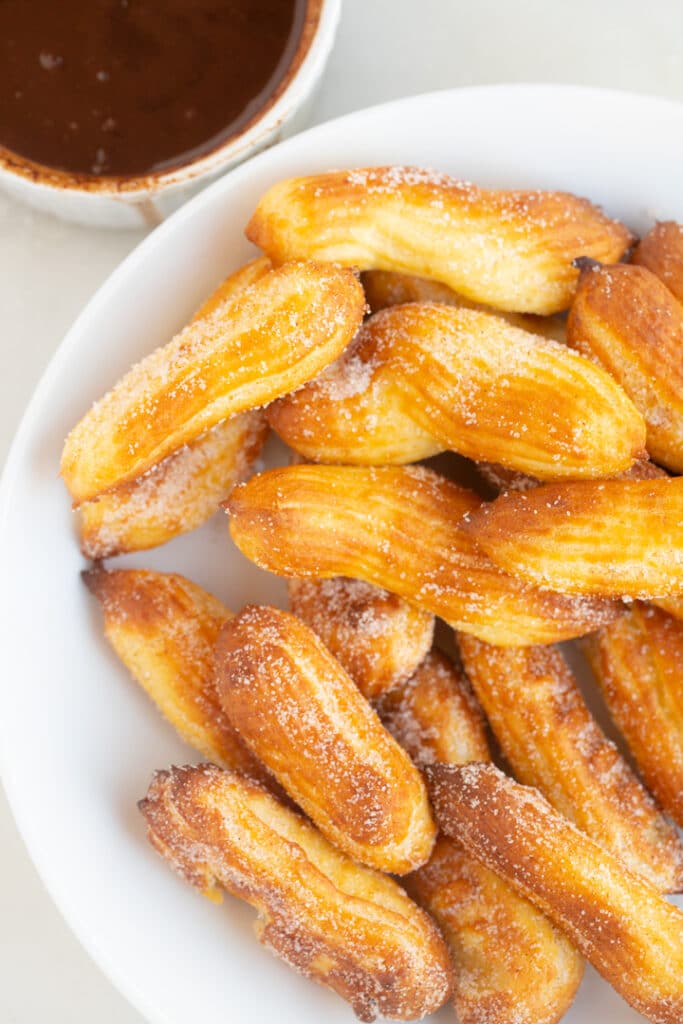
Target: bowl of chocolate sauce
{"x": 113, "y": 111}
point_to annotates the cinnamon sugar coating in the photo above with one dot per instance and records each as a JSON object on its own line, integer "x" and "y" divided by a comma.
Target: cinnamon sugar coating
{"x": 377, "y": 637}
{"x": 509, "y": 962}
{"x": 551, "y": 741}
{"x": 263, "y": 342}
{"x": 617, "y": 919}
{"x": 176, "y": 495}
{"x": 340, "y": 924}
{"x": 509, "y": 249}
{"x": 182, "y": 491}
{"x": 301, "y": 714}
{"x": 434, "y": 715}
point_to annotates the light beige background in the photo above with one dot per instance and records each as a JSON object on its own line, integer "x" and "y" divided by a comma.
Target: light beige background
{"x": 385, "y": 49}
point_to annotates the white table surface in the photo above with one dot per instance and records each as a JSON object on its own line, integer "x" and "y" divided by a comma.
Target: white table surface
{"x": 48, "y": 269}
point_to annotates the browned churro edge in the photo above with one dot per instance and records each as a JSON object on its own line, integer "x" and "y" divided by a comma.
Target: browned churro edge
{"x": 401, "y": 529}
{"x": 661, "y": 251}
{"x": 340, "y": 924}
{"x": 608, "y": 537}
{"x": 509, "y": 960}
{"x": 638, "y": 662}
{"x": 421, "y": 222}
{"x": 164, "y": 627}
{"x": 263, "y": 342}
{"x": 377, "y": 637}
{"x": 551, "y": 741}
{"x": 617, "y": 919}
{"x": 302, "y": 715}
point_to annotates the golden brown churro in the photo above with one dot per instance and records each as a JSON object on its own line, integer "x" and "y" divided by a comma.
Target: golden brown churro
{"x": 661, "y": 251}
{"x": 182, "y": 491}
{"x": 401, "y": 529}
{"x": 512, "y": 250}
{"x": 617, "y": 919}
{"x": 612, "y": 537}
{"x": 302, "y": 715}
{"x": 472, "y": 383}
{"x": 341, "y": 924}
{"x": 638, "y": 661}
{"x": 376, "y": 636}
{"x": 163, "y": 627}
{"x": 552, "y": 741}
{"x": 509, "y": 961}
{"x": 629, "y": 322}
{"x": 263, "y": 342}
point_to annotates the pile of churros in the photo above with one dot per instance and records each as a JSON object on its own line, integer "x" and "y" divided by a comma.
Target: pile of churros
{"x": 348, "y": 788}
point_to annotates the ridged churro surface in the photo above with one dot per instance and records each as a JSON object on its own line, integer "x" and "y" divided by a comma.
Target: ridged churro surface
{"x": 302, "y": 715}
{"x": 627, "y": 320}
{"x": 638, "y": 661}
{"x": 551, "y": 741}
{"x": 401, "y": 529}
{"x": 378, "y": 637}
{"x": 610, "y": 537}
{"x": 509, "y": 249}
{"x": 617, "y": 919}
{"x": 475, "y": 385}
{"x": 341, "y": 924}
{"x": 260, "y": 343}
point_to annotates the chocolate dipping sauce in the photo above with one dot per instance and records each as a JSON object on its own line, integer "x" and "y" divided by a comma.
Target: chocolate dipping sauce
{"x": 132, "y": 87}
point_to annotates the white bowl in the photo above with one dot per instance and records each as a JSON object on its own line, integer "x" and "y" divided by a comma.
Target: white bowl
{"x": 79, "y": 740}
{"x": 118, "y": 203}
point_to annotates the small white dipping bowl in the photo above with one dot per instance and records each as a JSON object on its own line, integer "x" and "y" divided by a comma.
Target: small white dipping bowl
{"x": 129, "y": 202}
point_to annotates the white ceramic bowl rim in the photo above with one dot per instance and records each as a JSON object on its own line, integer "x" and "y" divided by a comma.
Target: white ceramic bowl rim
{"x": 154, "y": 184}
